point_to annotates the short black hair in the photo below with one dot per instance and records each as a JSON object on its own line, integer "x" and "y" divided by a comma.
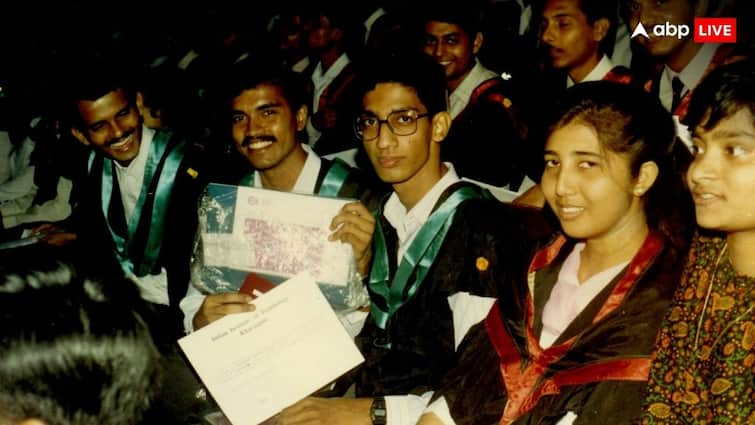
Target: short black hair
{"x": 416, "y": 71}
{"x": 465, "y": 15}
{"x": 602, "y": 9}
{"x": 593, "y": 11}
{"x": 252, "y": 72}
{"x": 724, "y": 92}
{"x": 91, "y": 78}
{"x": 72, "y": 350}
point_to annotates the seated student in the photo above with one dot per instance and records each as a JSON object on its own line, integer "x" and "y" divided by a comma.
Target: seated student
{"x": 578, "y": 35}
{"x": 684, "y": 61}
{"x": 72, "y": 352}
{"x": 138, "y": 185}
{"x": 571, "y": 337}
{"x": 703, "y": 370}
{"x": 265, "y": 109}
{"x": 485, "y": 140}
{"x": 438, "y": 243}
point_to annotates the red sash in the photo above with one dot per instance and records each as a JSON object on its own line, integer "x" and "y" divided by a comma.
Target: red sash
{"x": 525, "y": 385}
{"x": 618, "y": 74}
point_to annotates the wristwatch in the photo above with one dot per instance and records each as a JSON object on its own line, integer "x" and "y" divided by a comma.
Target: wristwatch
{"x": 378, "y": 412}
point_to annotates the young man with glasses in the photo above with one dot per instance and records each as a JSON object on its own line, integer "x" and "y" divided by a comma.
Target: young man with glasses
{"x": 436, "y": 244}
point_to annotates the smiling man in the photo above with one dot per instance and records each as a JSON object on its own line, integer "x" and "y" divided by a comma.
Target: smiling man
{"x": 140, "y": 183}
{"x": 485, "y": 140}
{"x": 266, "y": 113}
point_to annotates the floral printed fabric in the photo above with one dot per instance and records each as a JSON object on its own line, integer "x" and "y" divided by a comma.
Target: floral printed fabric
{"x": 713, "y": 381}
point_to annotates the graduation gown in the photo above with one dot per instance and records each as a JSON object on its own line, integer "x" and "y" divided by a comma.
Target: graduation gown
{"x": 597, "y": 368}
{"x": 415, "y": 348}
{"x": 170, "y": 207}
{"x": 486, "y": 138}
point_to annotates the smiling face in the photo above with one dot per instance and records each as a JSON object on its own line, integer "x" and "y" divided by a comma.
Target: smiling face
{"x": 453, "y": 48}
{"x": 573, "y": 42}
{"x": 264, "y": 127}
{"x": 590, "y": 188}
{"x": 411, "y": 162}
{"x": 110, "y": 124}
{"x": 722, "y": 175}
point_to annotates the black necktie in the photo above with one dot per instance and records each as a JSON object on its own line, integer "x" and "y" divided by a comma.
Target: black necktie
{"x": 677, "y": 87}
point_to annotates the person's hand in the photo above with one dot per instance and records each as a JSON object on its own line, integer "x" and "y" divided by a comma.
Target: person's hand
{"x": 327, "y": 411}
{"x": 354, "y": 224}
{"x": 52, "y": 235}
{"x": 216, "y": 306}
{"x": 430, "y": 419}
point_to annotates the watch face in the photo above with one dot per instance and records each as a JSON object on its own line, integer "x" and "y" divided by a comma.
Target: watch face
{"x": 378, "y": 412}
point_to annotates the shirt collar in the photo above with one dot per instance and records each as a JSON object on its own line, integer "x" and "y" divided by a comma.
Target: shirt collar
{"x": 307, "y": 180}
{"x": 695, "y": 69}
{"x": 460, "y": 97}
{"x": 398, "y": 216}
{"x": 601, "y": 69}
{"x": 332, "y": 72}
{"x": 137, "y": 165}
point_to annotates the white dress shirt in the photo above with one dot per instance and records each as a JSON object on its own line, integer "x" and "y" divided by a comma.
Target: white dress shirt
{"x": 690, "y": 75}
{"x": 460, "y": 97}
{"x": 598, "y": 73}
{"x": 467, "y": 310}
{"x": 153, "y": 288}
{"x": 408, "y": 223}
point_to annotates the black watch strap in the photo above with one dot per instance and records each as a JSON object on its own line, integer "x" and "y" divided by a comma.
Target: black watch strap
{"x": 378, "y": 412}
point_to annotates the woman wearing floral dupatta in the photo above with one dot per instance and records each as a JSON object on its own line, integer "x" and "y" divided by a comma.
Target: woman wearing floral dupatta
{"x": 703, "y": 371}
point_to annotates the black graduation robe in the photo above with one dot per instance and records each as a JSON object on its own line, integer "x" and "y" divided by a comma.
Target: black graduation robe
{"x": 597, "y": 368}
{"x": 483, "y": 238}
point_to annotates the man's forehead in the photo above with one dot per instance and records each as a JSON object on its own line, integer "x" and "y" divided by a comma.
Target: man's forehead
{"x": 444, "y": 29}
{"x": 108, "y": 104}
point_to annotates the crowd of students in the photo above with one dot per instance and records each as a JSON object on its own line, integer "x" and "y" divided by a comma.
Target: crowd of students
{"x": 615, "y": 288}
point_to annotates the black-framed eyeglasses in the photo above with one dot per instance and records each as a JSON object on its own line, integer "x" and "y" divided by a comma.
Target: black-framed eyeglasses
{"x": 401, "y": 123}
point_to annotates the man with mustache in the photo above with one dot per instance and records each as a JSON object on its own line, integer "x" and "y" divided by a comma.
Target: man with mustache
{"x": 267, "y": 114}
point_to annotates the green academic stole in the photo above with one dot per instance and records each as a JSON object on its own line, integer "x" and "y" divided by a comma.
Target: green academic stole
{"x": 331, "y": 184}
{"x": 419, "y": 257}
{"x": 159, "y": 197}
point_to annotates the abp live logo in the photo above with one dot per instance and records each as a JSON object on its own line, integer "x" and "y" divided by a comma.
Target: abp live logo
{"x": 707, "y": 30}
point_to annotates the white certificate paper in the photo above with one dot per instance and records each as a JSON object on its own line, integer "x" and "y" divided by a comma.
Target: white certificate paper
{"x": 275, "y": 233}
{"x": 256, "y": 364}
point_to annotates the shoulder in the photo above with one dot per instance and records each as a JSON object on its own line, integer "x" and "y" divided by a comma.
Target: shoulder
{"x": 619, "y": 74}
{"x": 495, "y": 90}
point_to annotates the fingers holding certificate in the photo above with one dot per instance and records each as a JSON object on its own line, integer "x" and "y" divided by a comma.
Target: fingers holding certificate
{"x": 216, "y": 306}
{"x": 354, "y": 225}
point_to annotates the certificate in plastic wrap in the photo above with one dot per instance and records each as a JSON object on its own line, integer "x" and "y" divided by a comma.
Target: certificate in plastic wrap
{"x": 271, "y": 233}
